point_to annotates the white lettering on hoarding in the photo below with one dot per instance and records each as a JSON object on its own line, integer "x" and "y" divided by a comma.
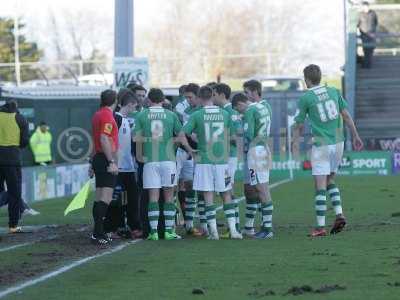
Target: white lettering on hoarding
{"x": 369, "y": 163}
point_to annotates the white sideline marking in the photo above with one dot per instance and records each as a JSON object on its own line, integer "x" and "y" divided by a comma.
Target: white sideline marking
{"x": 16, "y": 246}
{"x": 271, "y": 186}
{"x": 64, "y": 269}
{"x": 52, "y": 237}
{"x": 82, "y": 261}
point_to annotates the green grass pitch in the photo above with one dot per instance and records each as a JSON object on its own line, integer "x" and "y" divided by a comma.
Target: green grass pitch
{"x": 363, "y": 262}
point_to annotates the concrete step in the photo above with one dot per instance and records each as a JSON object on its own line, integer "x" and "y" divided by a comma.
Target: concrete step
{"x": 377, "y": 102}
{"x": 362, "y": 115}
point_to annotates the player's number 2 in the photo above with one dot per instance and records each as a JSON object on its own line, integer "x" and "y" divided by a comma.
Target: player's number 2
{"x": 327, "y": 111}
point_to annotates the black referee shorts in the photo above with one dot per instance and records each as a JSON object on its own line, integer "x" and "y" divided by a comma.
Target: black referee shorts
{"x": 103, "y": 178}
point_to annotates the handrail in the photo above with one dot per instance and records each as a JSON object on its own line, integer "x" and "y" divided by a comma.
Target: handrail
{"x": 351, "y": 63}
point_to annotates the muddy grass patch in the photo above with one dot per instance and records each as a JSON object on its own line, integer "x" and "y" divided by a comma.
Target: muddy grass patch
{"x": 67, "y": 243}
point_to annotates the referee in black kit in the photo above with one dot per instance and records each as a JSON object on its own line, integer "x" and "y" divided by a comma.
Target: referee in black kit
{"x": 14, "y": 135}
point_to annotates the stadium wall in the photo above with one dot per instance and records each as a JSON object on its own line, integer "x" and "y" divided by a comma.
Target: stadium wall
{"x": 41, "y": 183}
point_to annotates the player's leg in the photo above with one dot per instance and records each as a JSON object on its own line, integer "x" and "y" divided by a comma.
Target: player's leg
{"x": 223, "y": 185}
{"x": 204, "y": 182}
{"x": 152, "y": 183}
{"x": 233, "y": 161}
{"x": 105, "y": 183}
{"x": 190, "y": 201}
{"x": 168, "y": 182}
{"x": 261, "y": 180}
{"x": 211, "y": 214}
{"x": 169, "y": 214}
{"x": 320, "y": 204}
{"x": 320, "y": 161}
{"x": 252, "y": 200}
{"x": 333, "y": 190}
{"x": 201, "y": 204}
{"x": 181, "y": 183}
{"x": 153, "y": 212}
{"x": 266, "y": 211}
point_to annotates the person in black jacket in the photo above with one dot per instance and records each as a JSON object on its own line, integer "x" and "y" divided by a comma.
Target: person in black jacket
{"x": 14, "y": 135}
{"x": 367, "y": 24}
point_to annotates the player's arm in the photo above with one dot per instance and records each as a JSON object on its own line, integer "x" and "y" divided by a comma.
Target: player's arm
{"x": 348, "y": 120}
{"x": 138, "y": 139}
{"x": 187, "y": 129}
{"x": 298, "y": 127}
{"x": 179, "y": 110}
{"x": 248, "y": 128}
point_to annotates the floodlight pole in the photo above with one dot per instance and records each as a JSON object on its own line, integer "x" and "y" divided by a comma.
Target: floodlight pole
{"x": 124, "y": 28}
{"x": 16, "y": 46}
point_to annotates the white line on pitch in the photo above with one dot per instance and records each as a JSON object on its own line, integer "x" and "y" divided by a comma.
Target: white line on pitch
{"x": 64, "y": 269}
{"x": 16, "y": 246}
{"x": 271, "y": 186}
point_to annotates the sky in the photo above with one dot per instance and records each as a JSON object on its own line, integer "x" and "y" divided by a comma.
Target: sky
{"x": 35, "y": 14}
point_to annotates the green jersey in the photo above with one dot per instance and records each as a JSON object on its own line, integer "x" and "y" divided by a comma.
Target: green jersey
{"x": 156, "y": 127}
{"x": 322, "y": 105}
{"x": 132, "y": 117}
{"x": 212, "y": 126}
{"x": 237, "y": 126}
{"x": 257, "y": 124}
{"x": 184, "y": 110}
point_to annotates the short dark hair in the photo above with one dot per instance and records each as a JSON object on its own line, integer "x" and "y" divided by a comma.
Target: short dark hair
{"x": 156, "y": 95}
{"x": 107, "y": 98}
{"x": 135, "y": 87}
{"x": 313, "y": 74}
{"x": 11, "y": 105}
{"x": 253, "y": 85}
{"x": 126, "y": 96}
{"x": 182, "y": 89}
{"x": 212, "y": 84}
{"x": 192, "y": 88}
{"x": 365, "y": 3}
{"x": 42, "y": 123}
{"x": 239, "y": 97}
{"x": 223, "y": 88}
{"x": 205, "y": 93}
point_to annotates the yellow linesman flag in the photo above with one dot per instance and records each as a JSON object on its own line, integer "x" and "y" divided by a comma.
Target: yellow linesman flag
{"x": 80, "y": 199}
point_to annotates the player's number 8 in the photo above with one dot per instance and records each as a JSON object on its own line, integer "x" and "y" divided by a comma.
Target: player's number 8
{"x": 327, "y": 111}
{"x": 157, "y": 129}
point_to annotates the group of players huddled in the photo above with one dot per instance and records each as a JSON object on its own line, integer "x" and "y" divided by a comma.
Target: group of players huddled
{"x": 145, "y": 148}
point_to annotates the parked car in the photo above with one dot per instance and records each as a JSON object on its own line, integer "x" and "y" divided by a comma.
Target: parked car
{"x": 281, "y": 83}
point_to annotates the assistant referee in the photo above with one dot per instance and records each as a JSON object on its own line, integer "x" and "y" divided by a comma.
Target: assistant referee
{"x": 14, "y": 135}
{"x": 104, "y": 162}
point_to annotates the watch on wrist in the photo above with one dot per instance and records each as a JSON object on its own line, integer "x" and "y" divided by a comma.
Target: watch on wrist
{"x": 111, "y": 161}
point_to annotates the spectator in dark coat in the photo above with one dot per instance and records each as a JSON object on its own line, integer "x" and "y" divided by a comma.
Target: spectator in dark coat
{"x": 367, "y": 24}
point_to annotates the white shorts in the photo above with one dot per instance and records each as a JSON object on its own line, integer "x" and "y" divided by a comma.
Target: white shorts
{"x": 212, "y": 178}
{"x": 256, "y": 165}
{"x": 184, "y": 166}
{"x": 326, "y": 159}
{"x": 159, "y": 174}
{"x": 232, "y": 165}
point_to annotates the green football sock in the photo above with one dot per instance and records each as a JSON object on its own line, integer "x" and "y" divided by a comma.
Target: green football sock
{"x": 320, "y": 207}
{"x": 169, "y": 215}
{"x": 251, "y": 211}
{"x": 266, "y": 210}
{"x": 190, "y": 208}
{"x": 336, "y": 201}
{"x": 154, "y": 213}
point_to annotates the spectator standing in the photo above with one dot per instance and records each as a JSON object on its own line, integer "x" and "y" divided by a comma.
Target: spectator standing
{"x": 367, "y": 24}
{"x": 40, "y": 143}
{"x": 14, "y": 135}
